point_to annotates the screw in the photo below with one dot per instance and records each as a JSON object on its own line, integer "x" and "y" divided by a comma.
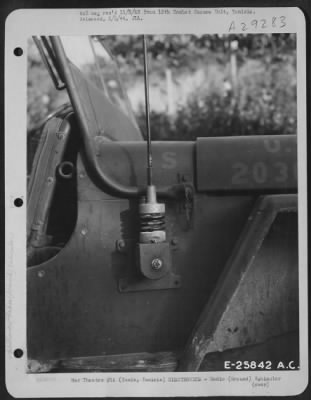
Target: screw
{"x": 156, "y": 264}
{"x": 81, "y": 175}
{"x": 121, "y": 245}
{"x": 83, "y": 231}
{"x": 60, "y": 135}
{"x": 50, "y": 179}
{"x": 41, "y": 274}
{"x": 174, "y": 242}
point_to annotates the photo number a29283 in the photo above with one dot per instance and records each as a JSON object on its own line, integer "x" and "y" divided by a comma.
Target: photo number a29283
{"x": 275, "y": 22}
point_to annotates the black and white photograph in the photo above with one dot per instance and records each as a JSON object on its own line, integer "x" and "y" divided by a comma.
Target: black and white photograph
{"x": 165, "y": 190}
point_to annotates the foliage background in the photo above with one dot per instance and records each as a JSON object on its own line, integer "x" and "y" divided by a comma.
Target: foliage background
{"x": 194, "y": 90}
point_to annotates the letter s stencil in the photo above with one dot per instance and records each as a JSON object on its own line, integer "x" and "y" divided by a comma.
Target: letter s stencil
{"x": 169, "y": 160}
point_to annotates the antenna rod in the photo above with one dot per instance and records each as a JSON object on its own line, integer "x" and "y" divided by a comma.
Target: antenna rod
{"x": 146, "y": 78}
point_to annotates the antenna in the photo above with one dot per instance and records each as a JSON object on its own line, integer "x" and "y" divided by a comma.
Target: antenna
{"x": 147, "y": 107}
{"x": 152, "y": 213}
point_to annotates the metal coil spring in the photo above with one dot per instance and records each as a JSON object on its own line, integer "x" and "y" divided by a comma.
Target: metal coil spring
{"x": 152, "y": 222}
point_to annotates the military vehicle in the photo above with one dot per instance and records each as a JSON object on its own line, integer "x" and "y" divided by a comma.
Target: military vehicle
{"x": 156, "y": 255}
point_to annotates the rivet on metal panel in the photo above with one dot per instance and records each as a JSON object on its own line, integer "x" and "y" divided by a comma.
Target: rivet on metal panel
{"x": 50, "y": 179}
{"x": 174, "y": 242}
{"x": 121, "y": 245}
{"x": 41, "y": 274}
{"x": 60, "y": 135}
{"x": 83, "y": 231}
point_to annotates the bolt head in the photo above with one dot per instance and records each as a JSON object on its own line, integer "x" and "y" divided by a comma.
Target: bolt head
{"x": 121, "y": 245}
{"x": 41, "y": 274}
{"x": 156, "y": 264}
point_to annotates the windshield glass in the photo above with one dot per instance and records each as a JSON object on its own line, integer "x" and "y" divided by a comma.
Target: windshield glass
{"x": 98, "y": 64}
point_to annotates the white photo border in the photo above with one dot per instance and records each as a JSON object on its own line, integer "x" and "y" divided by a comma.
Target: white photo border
{"x": 20, "y": 26}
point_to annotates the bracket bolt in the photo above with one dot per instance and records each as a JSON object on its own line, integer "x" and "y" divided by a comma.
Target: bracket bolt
{"x": 156, "y": 264}
{"x": 121, "y": 245}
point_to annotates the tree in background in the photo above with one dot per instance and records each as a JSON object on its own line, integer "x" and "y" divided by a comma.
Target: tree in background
{"x": 258, "y": 98}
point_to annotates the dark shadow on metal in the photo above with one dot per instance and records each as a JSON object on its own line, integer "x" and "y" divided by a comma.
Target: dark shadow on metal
{"x": 244, "y": 311}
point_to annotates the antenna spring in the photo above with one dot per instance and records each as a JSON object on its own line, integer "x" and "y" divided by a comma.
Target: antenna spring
{"x": 152, "y": 222}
